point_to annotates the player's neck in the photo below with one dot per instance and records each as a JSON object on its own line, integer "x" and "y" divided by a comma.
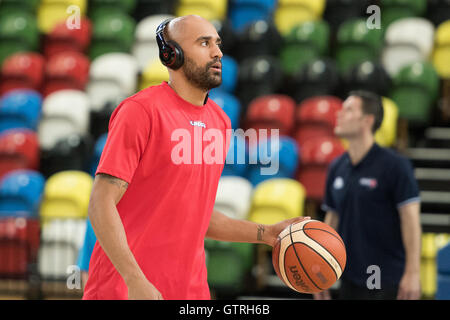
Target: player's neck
{"x": 359, "y": 147}
{"x": 187, "y": 91}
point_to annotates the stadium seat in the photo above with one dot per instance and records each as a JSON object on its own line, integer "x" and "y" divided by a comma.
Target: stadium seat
{"x": 357, "y": 43}
{"x": 386, "y": 135}
{"x": 25, "y": 5}
{"x": 70, "y": 152}
{"x": 407, "y": 40}
{"x": 20, "y": 108}
{"x": 19, "y": 245}
{"x": 277, "y": 199}
{"x": 52, "y": 12}
{"x": 154, "y": 74}
{"x": 317, "y": 154}
{"x": 233, "y": 197}
{"x": 244, "y": 12}
{"x": 228, "y": 264}
{"x": 111, "y": 76}
{"x": 66, "y": 70}
{"x": 98, "y": 149}
{"x": 415, "y": 88}
{"x": 229, "y": 103}
{"x": 21, "y": 193}
{"x": 236, "y": 161}
{"x": 230, "y": 71}
{"x": 62, "y": 38}
{"x": 18, "y": 32}
{"x": 366, "y": 75}
{"x": 274, "y": 111}
{"x": 146, "y": 8}
{"x": 319, "y": 77}
{"x": 438, "y": 11}
{"x": 145, "y": 48}
{"x": 292, "y": 12}
{"x": 22, "y": 70}
{"x": 59, "y": 121}
{"x": 260, "y": 37}
{"x": 339, "y": 11}
{"x": 209, "y": 10}
{"x": 19, "y": 149}
{"x": 112, "y": 32}
{"x": 316, "y": 117}
{"x": 441, "y": 54}
{"x": 275, "y": 158}
{"x": 304, "y": 43}
{"x": 393, "y": 10}
{"x": 125, "y": 6}
{"x": 66, "y": 196}
{"x": 258, "y": 76}
{"x": 61, "y": 241}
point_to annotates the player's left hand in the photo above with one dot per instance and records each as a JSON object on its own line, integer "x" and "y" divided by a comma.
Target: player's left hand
{"x": 409, "y": 287}
{"x": 275, "y": 229}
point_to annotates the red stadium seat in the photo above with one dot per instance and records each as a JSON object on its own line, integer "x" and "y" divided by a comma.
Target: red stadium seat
{"x": 19, "y": 149}
{"x": 24, "y": 70}
{"x": 63, "y": 39}
{"x": 317, "y": 154}
{"x": 67, "y": 70}
{"x": 316, "y": 117}
{"x": 19, "y": 245}
{"x": 272, "y": 112}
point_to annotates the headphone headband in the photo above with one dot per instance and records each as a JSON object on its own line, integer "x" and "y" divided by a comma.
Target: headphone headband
{"x": 170, "y": 53}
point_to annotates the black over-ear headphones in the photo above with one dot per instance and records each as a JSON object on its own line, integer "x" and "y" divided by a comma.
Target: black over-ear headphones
{"x": 170, "y": 52}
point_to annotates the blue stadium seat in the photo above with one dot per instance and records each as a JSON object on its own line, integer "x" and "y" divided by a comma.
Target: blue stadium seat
{"x": 21, "y": 193}
{"x": 288, "y": 158}
{"x": 443, "y": 269}
{"x": 98, "y": 149}
{"x": 244, "y": 12}
{"x": 229, "y": 103}
{"x": 20, "y": 109}
{"x": 236, "y": 163}
{"x": 230, "y": 71}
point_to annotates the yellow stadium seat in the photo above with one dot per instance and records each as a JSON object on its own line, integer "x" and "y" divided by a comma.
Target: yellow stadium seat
{"x": 277, "y": 199}
{"x": 292, "y": 12}
{"x": 429, "y": 248}
{"x": 66, "y": 195}
{"x": 209, "y": 10}
{"x": 386, "y": 135}
{"x": 154, "y": 74}
{"x": 441, "y": 54}
{"x": 428, "y": 277}
{"x": 52, "y": 12}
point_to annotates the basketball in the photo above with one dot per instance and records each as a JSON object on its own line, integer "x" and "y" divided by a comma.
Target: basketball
{"x": 309, "y": 256}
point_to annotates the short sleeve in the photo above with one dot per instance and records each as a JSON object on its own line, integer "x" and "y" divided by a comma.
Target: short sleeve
{"x": 404, "y": 185}
{"x": 328, "y": 202}
{"x": 128, "y": 134}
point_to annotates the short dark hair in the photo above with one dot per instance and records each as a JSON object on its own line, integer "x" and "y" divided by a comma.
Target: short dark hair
{"x": 371, "y": 104}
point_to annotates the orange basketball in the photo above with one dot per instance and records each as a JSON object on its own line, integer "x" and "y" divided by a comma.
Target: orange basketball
{"x": 309, "y": 256}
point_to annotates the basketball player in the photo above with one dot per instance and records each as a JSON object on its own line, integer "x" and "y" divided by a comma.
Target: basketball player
{"x": 150, "y": 214}
{"x": 372, "y": 200}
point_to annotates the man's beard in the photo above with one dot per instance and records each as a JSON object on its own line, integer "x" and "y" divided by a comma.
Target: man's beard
{"x": 201, "y": 77}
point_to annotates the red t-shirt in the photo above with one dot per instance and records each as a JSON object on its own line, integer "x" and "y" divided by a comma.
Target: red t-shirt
{"x": 167, "y": 207}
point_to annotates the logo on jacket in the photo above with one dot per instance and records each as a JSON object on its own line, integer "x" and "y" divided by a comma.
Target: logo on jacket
{"x": 368, "y": 182}
{"x": 338, "y": 183}
{"x": 197, "y": 124}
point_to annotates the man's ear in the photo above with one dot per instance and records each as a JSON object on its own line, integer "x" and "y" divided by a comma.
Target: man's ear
{"x": 370, "y": 118}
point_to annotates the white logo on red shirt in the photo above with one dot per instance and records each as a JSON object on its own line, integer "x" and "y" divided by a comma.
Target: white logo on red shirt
{"x": 198, "y": 124}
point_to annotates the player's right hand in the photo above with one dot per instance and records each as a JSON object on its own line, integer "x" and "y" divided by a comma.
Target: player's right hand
{"x": 142, "y": 289}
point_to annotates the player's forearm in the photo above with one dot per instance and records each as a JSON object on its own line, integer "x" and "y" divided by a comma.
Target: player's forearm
{"x": 111, "y": 235}
{"x": 411, "y": 235}
{"x": 224, "y": 228}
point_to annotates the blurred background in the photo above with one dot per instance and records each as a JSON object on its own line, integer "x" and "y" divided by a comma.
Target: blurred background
{"x": 288, "y": 64}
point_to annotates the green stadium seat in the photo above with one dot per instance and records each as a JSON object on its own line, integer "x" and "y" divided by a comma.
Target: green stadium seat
{"x": 304, "y": 43}
{"x": 18, "y": 32}
{"x": 112, "y": 32}
{"x": 23, "y": 5}
{"x": 415, "y": 88}
{"x": 125, "y": 6}
{"x": 392, "y": 10}
{"x": 357, "y": 43}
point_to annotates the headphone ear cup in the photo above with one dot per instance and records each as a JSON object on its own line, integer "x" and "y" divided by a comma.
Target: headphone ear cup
{"x": 177, "y": 55}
